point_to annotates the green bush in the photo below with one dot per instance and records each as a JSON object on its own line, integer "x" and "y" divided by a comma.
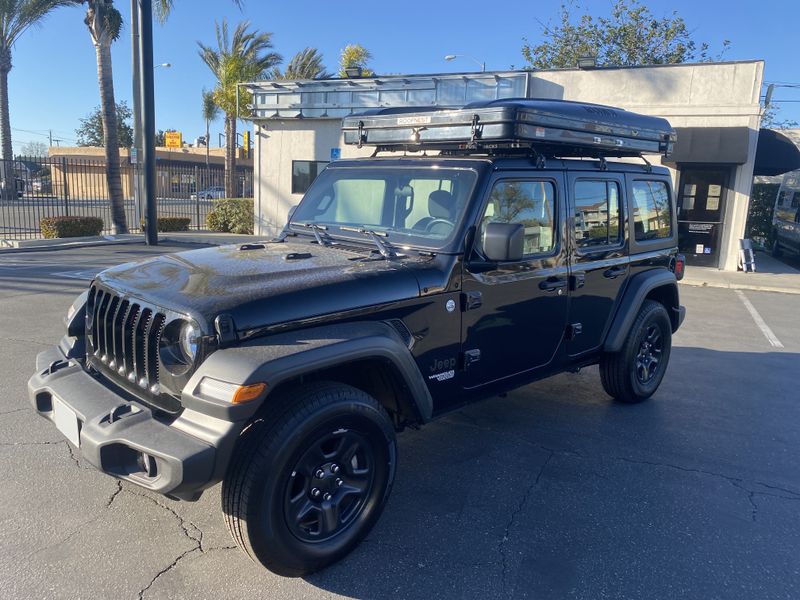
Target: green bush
{"x": 67, "y": 227}
{"x": 231, "y": 215}
{"x": 759, "y": 217}
{"x": 167, "y": 224}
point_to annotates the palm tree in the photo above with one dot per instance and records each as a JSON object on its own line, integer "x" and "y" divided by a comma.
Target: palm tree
{"x": 243, "y": 57}
{"x": 105, "y": 23}
{"x": 306, "y": 64}
{"x": 16, "y": 16}
{"x": 355, "y": 56}
{"x": 210, "y": 113}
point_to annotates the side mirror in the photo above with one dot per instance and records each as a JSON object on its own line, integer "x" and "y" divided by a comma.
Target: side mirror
{"x": 291, "y": 212}
{"x": 503, "y": 241}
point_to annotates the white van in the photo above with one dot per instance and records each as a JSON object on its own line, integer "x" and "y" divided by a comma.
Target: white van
{"x": 786, "y": 218}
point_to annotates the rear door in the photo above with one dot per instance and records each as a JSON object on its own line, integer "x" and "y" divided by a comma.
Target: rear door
{"x": 514, "y": 312}
{"x": 599, "y": 256}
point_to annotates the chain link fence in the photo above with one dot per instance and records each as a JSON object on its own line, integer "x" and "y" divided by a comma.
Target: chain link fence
{"x": 32, "y": 189}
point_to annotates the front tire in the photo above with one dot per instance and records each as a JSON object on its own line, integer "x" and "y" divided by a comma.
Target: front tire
{"x": 310, "y": 477}
{"x": 634, "y": 373}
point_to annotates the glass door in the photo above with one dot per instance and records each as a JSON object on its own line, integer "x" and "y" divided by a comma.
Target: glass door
{"x": 701, "y": 210}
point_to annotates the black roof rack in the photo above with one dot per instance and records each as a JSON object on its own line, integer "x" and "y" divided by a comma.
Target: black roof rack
{"x": 513, "y": 126}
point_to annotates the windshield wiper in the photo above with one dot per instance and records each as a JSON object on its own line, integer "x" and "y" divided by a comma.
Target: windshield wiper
{"x": 319, "y": 231}
{"x": 384, "y": 247}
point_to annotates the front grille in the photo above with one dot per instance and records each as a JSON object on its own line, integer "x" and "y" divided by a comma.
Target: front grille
{"x": 124, "y": 336}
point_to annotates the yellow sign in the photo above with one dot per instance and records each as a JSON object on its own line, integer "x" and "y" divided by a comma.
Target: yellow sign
{"x": 173, "y": 139}
{"x": 246, "y": 143}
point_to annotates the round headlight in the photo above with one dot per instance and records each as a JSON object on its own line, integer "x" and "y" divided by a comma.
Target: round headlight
{"x": 189, "y": 340}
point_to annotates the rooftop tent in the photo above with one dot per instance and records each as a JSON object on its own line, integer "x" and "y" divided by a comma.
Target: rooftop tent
{"x": 551, "y": 127}
{"x": 777, "y": 152}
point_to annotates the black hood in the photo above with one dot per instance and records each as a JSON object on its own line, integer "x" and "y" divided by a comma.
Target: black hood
{"x": 259, "y": 287}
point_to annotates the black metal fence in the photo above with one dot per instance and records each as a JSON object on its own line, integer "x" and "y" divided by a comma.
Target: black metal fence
{"x": 35, "y": 188}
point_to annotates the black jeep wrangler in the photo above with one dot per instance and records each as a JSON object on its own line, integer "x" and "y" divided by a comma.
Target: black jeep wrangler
{"x": 402, "y": 287}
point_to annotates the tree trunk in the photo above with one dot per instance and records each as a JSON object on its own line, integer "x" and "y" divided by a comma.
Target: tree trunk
{"x": 230, "y": 156}
{"x": 8, "y": 183}
{"x": 108, "y": 109}
{"x": 208, "y": 154}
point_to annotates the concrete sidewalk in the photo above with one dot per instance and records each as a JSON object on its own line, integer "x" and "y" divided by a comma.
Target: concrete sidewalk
{"x": 771, "y": 276}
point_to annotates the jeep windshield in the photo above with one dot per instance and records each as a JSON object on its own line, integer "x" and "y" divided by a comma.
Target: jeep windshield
{"x": 419, "y": 207}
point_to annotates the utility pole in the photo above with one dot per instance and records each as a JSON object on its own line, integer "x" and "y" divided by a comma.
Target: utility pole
{"x": 137, "y": 110}
{"x": 51, "y": 138}
{"x": 147, "y": 105}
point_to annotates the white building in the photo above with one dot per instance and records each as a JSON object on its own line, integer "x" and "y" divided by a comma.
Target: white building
{"x": 713, "y": 106}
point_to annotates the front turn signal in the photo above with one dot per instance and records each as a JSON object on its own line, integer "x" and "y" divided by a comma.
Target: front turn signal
{"x": 246, "y": 393}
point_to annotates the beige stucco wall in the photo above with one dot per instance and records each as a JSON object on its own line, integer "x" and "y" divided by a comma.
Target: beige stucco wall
{"x": 692, "y": 95}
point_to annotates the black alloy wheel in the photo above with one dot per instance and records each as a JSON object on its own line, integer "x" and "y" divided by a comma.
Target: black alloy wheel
{"x": 329, "y": 486}
{"x": 648, "y": 358}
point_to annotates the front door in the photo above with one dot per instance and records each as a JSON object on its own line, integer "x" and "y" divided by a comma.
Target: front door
{"x": 701, "y": 210}
{"x": 515, "y": 312}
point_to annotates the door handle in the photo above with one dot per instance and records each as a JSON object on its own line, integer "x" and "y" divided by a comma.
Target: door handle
{"x": 552, "y": 284}
{"x": 615, "y": 272}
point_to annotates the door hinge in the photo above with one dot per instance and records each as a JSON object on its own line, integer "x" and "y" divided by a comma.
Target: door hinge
{"x": 471, "y": 300}
{"x": 471, "y": 357}
{"x": 574, "y": 330}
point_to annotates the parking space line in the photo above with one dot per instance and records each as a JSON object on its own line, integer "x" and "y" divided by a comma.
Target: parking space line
{"x": 771, "y": 337}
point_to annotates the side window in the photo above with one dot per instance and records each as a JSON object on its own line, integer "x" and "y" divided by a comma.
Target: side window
{"x": 304, "y": 172}
{"x": 531, "y": 203}
{"x": 596, "y": 214}
{"x": 652, "y": 212}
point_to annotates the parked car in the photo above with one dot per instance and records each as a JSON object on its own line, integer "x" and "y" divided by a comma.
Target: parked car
{"x": 400, "y": 289}
{"x": 786, "y": 218}
{"x": 216, "y": 191}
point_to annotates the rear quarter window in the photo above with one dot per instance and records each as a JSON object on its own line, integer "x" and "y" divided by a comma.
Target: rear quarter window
{"x": 652, "y": 210}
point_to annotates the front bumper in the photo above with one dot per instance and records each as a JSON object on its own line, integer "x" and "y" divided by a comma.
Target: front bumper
{"x": 123, "y": 438}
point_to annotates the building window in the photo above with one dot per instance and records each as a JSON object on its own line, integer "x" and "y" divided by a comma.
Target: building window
{"x": 596, "y": 214}
{"x": 304, "y": 172}
{"x": 652, "y": 213}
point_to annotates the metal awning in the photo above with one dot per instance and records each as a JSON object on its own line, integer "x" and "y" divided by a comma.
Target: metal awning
{"x": 777, "y": 152}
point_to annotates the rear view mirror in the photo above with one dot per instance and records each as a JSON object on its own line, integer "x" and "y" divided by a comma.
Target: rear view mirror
{"x": 503, "y": 241}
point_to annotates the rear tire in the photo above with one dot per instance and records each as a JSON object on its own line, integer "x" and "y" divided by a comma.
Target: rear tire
{"x": 310, "y": 477}
{"x": 777, "y": 251}
{"x": 634, "y": 373}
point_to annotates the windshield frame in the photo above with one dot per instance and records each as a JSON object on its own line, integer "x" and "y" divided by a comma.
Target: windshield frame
{"x": 397, "y": 238}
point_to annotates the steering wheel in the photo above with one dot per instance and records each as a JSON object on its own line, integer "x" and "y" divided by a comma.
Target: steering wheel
{"x": 438, "y": 221}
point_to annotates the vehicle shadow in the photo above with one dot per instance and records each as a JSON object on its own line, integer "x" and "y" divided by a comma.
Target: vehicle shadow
{"x": 557, "y": 491}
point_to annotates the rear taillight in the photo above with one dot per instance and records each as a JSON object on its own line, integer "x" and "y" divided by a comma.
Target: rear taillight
{"x": 679, "y": 266}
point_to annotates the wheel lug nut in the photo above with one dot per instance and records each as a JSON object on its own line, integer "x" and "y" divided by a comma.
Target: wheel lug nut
{"x": 315, "y": 492}
{"x": 320, "y": 473}
{"x": 326, "y": 496}
{"x": 334, "y": 468}
{"x": 339, "y": 482}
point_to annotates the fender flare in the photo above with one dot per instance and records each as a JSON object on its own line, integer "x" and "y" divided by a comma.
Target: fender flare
{"x": 277, "y": 358}
{"x": 635, "y": 294}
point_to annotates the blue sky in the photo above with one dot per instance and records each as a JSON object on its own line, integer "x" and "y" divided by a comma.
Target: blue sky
{"x": 53, "y": 83}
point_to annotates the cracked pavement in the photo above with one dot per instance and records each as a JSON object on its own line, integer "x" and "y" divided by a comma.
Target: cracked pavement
{"x": 551, "y": 492}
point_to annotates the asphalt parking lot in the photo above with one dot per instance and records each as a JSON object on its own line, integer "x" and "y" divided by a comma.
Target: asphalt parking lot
{"x": 551, "y": 492}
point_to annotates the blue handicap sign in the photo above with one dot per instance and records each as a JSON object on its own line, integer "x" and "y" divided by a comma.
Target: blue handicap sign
{"x": 336, "y": 153}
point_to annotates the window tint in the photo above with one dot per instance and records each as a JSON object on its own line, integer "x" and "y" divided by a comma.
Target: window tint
{"x": 652, "y": 212}
{"x": 596, "y": 213}
{"x": 304, "y": 172}
{"x": 531, "y": 203}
